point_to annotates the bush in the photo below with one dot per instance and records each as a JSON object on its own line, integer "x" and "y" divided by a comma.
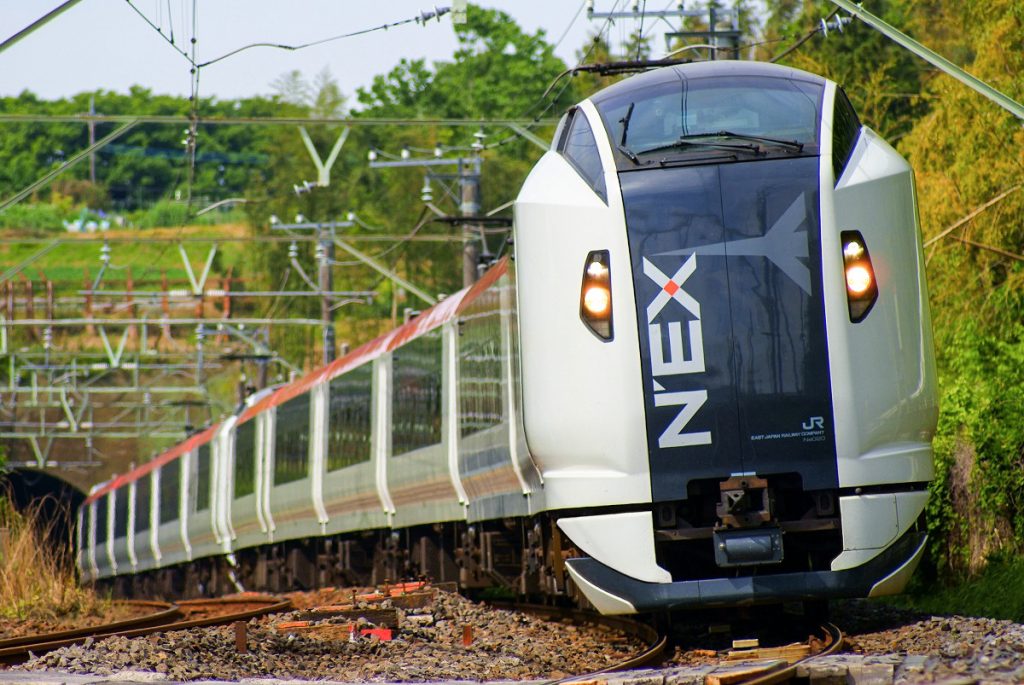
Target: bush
{"x": 29, "y": 217}
{"x": 34, "y": 581}
{"x": 164, "y": 213}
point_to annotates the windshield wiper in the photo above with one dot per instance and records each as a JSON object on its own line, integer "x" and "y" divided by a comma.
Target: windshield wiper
{"x": 629, "y": 153}
{"x": 791, "y": 144}
{"x": 621, "y": 146}
{"x": 684, "y": 142}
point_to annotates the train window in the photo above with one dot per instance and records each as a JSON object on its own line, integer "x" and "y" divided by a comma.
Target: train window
{"x": 769, "y": 107}
{"x": 348, "y": 427}
{"x": 416, "y": 394}
{"x": 481, "y": 381}
{"x": 101, "y": 519}
{"x": 845, "y": 131}
{"x": 170, "y": 476}
{"x": 202, "y": 479}
{"x": 291, "y": 440}
{"x": 142, "y": 501}
{"x": 556, "y": 140}
{"x": 121, "y": 512}
{"x": 245, "y": 458}
{"x": 580, "y": 148}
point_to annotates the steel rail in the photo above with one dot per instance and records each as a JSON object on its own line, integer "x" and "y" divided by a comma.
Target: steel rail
{"x": 12, "y": 649}
{"x": 833, "y": 643}
{"x": 270, "y": 605}
{"x": 165, "y": 612}
{"x": 655, "y": 642}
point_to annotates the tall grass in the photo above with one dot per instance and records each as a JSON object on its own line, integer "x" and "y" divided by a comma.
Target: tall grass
{"x": 37, "y": 578}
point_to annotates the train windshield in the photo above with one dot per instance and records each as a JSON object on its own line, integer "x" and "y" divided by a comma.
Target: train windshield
{"x": 762, "y": 113}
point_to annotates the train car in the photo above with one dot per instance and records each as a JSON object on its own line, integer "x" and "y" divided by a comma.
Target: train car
{"x": 706, "y": 378}
{"x": 736, "y": 312}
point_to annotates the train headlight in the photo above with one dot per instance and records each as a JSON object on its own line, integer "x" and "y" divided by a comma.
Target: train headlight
{"x": 597, "y": 300}
{"x": 596, "y": 294}
{"x": 858, "y": 279}
{"x": 861, "y": 289}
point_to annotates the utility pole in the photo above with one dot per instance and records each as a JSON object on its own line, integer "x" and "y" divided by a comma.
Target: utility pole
{"x": 92, "y": 139}
{"x": 713, "y": 37}
{"x": 470, "y": 207}
{"x": 467, "y": 175}
{"x": 325, "y": 280}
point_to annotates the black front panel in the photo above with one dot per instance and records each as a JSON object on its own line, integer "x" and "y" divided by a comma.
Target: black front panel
{"x": 726, "y": 266}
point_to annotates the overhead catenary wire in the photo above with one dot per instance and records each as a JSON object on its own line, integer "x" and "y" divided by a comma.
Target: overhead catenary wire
{"x": 640, "y": 31}
{"x": 572, "y": 23}
{"x": 536, "y": 119}
{"x": 160, "y": 31}
{"x": 421, "y": 18}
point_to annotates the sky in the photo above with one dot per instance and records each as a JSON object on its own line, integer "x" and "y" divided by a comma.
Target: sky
{"x": 105, "y": 44}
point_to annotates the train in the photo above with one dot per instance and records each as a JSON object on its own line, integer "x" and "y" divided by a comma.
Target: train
{"x": 703, "y": 377}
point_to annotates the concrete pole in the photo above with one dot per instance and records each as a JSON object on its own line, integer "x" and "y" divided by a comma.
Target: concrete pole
{"x": 470, "y": 206}
{"x": 92, "y": 139}
{"x": 326, "y": 285}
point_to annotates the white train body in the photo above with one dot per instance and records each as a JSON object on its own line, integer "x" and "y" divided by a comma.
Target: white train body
{"x": 740, "y": 422}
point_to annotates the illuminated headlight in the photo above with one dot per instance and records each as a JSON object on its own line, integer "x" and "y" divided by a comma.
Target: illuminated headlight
{"x": 596, "y": 294}
{"x": 861, "y": 289}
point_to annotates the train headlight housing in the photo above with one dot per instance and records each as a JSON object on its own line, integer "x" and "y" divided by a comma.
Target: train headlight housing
{"x": 861, "y": 289}
{"x": 596, "y": 294}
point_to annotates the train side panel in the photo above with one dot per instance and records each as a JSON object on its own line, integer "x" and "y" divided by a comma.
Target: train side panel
{"x": 494, "y": 466}
{"x": 585, "y": 430}
{"x": 287, "y": 495}
{"x": 351, "y": 498}
{"x": 419, "y": 482}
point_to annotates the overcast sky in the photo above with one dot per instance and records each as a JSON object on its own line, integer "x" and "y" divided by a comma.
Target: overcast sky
{"x": 104, "y": 44}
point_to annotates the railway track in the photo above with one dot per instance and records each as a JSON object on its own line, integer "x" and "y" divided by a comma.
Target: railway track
{"x": 193, "y": 613}
{"x": 767, "y": 666}
{"x": 654, "y": 641}
{"x": 830, "y": 643}
{"x": 754, "y": 665}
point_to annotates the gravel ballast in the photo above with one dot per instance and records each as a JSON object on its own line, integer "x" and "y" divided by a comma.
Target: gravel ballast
{"x": 428, "y": 646}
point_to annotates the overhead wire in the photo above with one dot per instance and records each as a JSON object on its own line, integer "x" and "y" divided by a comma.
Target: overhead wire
{"x": 640, "y": 31}
{"x": 805, "y": 38}
{"x": 544, "y": 96}
{"x": 160, "y": 31}
{"x": 421, "y": 18}
{"x": 572, "y": 23}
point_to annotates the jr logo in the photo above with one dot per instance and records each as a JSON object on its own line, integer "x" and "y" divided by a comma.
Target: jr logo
{"x": 678, "y": 360}
{"x": 814, "y": 423}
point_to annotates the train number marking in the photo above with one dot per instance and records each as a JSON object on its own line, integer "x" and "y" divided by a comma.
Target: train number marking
{"x": 679, "y": 359}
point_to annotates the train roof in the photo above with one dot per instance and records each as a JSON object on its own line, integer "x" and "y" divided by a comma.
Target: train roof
{"x": 432, "y": 318}
{"x": 712, "y": 69}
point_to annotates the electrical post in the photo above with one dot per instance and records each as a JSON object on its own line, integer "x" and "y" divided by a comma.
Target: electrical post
{"x": 714, "y": 36}
{"x": 470, "y": 207}
{"x": 92, "y": 139}
{"x": 467, "y": 175}
{"x": 325, "y": 248}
